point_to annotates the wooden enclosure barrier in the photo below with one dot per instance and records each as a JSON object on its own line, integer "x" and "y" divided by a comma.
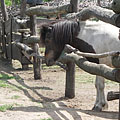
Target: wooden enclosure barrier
{"x": 11, "y": 49}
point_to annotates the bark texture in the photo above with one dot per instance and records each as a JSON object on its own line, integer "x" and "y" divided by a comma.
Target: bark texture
{"x": 102, "y": 14}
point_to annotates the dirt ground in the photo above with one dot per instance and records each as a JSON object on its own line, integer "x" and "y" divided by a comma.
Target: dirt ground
{"x": 44, "y": 99}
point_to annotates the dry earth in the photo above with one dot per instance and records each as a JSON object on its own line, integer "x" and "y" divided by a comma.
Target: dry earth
{"x": 44, "y": 99}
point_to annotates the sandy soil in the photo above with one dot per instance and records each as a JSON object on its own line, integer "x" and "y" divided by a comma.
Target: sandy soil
{"x": 44, "y": 99}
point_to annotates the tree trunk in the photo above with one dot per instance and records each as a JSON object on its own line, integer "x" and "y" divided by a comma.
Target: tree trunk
{"x": 4, "y": 10}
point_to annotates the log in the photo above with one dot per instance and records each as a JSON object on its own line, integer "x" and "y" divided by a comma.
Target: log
{"x": 105, "y": 71}
{"x": 48, "y": 10}
{"x": 113, "y": 95}
{"x": 31, "y": 40}
{"x": 102, "y": 14}
{"x": 69, "y": 49}
{"x": 23, "y": 30}
{"x": 24, "y": 47}
{"x": 22, "y": 23}
{"x": 114, "y": 55}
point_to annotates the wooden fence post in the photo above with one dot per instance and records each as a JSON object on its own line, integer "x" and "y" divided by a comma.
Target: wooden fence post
{"x": 5, "y": 18}
{"x": 70, "y": 72}
{"x": 36, "y": 61}
{"x": 70, "y": 80}
{"x": 119, "y": 103}
{"x": 22, "y": 15}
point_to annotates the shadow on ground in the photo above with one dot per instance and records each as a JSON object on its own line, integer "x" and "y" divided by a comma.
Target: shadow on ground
{"x": 56, "y": 105}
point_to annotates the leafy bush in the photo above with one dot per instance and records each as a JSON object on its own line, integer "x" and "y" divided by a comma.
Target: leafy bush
{"x": 9, "y": 2}
{"x": 17, "y": 1}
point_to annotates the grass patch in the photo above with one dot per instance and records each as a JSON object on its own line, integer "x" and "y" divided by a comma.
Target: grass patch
{"x": 110, "y": 82}
{"x": 46, "y": 119}
{"x": 15, "y": 97}
{"x": 50, "y": 67}
{"x": 85, "y": 77}
{"x": 5, "y": 76}
{"x": 4, "y": 84}
{"x": 3, "y": 108}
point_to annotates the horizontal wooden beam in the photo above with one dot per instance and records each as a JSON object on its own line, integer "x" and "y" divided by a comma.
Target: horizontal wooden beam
{"x": 48, "y": 10}
{"x": 103, "y": 70}
{"x": 69, "y": 48}
{"x": 102, "y": 14}
{"x": 31, "y": 40}
{"x": 113, "y": 95}
{"x": 24, "y": 47}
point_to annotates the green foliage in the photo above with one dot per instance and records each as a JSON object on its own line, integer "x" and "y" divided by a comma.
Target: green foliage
{"x": 3, "y": 108}
{"x": 5, "y": 76}
{"x": 8, "y": 2}
{"x": 17, "y": 1}
{"x": 4, "y": 83}
{"x": 46, "y": 119}
{"x": 15, "y": 97}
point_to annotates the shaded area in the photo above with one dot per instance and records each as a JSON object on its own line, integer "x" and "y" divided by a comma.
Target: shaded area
{"x": 55, "y": 108}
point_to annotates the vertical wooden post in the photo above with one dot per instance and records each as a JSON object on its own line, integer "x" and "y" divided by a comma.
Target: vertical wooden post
{"x": 23, "y": 8}
{"x": 74, "y": 5}
{"x": 5, "y": 18}
{"x": 22, "y": 15}
{"x": 70, "y": 80}
{"x": 98, "y": 3}
{"x": 36, "y": 61}
{"x": 70, "y": 72}
{"x": 119, "y": 103}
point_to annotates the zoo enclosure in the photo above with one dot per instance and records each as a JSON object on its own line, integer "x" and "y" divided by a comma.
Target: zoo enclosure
{"x": 9, "y": 34}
